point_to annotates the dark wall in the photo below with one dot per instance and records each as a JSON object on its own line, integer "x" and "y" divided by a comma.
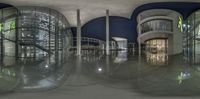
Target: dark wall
{"x": 184, "y": 8}
{"x": 95, "y": 28}
{"x": 123, "y": 27}
{"x": 119, "y": 27}
{"x": 73, "y": 29}
{"x": 2, "y": 5}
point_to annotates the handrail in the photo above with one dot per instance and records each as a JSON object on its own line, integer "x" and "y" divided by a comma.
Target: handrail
{"x": 157, "y": 25}
{"x": 36, "y": 45}
{"x": 91, "y": 43}
{"x": 89, "y": 40}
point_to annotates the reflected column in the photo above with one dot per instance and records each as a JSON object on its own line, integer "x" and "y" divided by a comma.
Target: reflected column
{"x": 78, "y": 65}
{"x": 1, "y": 39}
{"x": 139, "y": 41}
{"x": 108, "y": 65}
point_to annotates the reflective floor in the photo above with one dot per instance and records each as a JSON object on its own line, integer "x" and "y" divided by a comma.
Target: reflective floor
{"x": 95, "y": 74}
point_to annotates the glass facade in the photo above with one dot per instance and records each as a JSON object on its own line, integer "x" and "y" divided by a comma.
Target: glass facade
{"x": 157, "y": 25}
{"x": 33, "y": 33}
{"x": 44, "y": 38}
{"x": 42, "y": 33}
{"x": 191, "y": 38}
{"x": 8, "y": 17}
{"x": 34, "y": 43}
{"x": 8, "y": 31}
{"x": 156, "y": 51}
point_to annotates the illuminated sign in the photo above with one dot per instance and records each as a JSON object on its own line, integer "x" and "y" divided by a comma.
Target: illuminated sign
{"x": 1, "y": 27}
{"x": 13, "y": 25}
{"x": 180, "y": 24}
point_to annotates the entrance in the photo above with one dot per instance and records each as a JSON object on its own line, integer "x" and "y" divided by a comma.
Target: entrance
{"x": 156, "y": 51}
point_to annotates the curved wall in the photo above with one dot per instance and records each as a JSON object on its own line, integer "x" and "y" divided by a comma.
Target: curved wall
{"x": 127, "y": 28}
{"x": 8, "y": 17}
{"x": 191, "y": 38}
{"x": 34, "y": 43}
{"x": 3, "y": 5}
{"x": 8, "y": 75}
{"x": 119, "y": 27}
{"x": 184, "y": 8}
{"x": 42, "y": 31}
{"x": 44, "y": 39}
{"x": 161, "y": 23}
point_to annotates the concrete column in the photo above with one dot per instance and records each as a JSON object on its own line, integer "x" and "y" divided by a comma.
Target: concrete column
{"x": 78, "y": 45}
{"x": 139, "y": 41}
{"x": 107, "y": 33}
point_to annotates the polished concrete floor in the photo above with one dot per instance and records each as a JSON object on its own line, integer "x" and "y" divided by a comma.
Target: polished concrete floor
{"x": 94, "y": 75}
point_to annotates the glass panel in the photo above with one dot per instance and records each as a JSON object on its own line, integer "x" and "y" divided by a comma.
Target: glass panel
{"x": 7, "y": 12}
{"x": 189, "y": 40}
{"x": 8, "y": 36}
{"x": 156, "y": 51}
{"x": 157, "y": 25}
{"x": 38, "y": 41}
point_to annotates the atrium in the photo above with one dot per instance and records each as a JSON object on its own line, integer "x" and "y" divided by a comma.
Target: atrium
{"x": 103, "y": 49}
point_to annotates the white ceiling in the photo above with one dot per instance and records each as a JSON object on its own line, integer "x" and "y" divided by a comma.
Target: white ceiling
{"x": 90, "y": 9}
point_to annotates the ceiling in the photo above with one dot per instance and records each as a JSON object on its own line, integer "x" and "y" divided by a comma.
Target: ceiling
{"x": 90, "y": 9}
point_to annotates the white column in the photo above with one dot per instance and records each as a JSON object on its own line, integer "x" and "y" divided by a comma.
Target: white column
{"x": 107, "y": 33}
{"x": 139, "y": 40}
{"x": 78, "y": 33}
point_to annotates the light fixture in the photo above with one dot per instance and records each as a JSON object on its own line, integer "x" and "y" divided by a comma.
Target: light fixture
{"x": 100, "y": 69}
{"x": 46, "y": 66}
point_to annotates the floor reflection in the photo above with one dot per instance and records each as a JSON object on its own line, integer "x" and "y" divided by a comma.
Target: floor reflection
{"x": 30, "y": 74}
{"x": 109, "y": 70}
{"x": 176, "y": 78}
{"x": 121, "y": 56}
{"x": 157, "y": 59}
{"x": 9, "y": 79}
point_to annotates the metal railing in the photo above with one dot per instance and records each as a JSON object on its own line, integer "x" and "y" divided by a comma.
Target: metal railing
{"x": 89, "y": 43}
{"x": 96, "y": 44}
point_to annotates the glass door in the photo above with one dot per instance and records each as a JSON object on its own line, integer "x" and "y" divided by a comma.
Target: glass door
{"x": 156, "y": 51}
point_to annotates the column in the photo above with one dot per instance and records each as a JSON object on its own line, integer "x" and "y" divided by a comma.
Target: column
{"x": 78, "y": 33}
{"x": 107, "y": 33}
{"x": 139, "y": 40}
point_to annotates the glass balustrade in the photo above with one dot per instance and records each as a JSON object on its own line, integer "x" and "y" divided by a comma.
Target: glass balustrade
{"x": 191, "y": 38}
{"x": 158, "y": 25}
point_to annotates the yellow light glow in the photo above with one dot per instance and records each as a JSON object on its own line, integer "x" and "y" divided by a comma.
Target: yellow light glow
{"x": 180, "y": 24}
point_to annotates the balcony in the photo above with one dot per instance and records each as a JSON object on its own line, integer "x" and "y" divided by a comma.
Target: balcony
{"x": 155, "y": 27}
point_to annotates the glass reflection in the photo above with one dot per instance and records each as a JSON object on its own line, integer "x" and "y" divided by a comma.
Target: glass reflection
{"x": 9, "y": 78}
{"x": 34, "y": 46}
{"x": 191, "y": 39}
{"x": 44, "y": 43}
{"x": 8, "y": 36}
{"x": 156, "y": 51}
{"x": 121, "y": 56}
{"x": 9, "y": 73}
{"x": 41, "y": 75}
{"x": 183, "y": 76}
{"x": 157, "y": 25}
